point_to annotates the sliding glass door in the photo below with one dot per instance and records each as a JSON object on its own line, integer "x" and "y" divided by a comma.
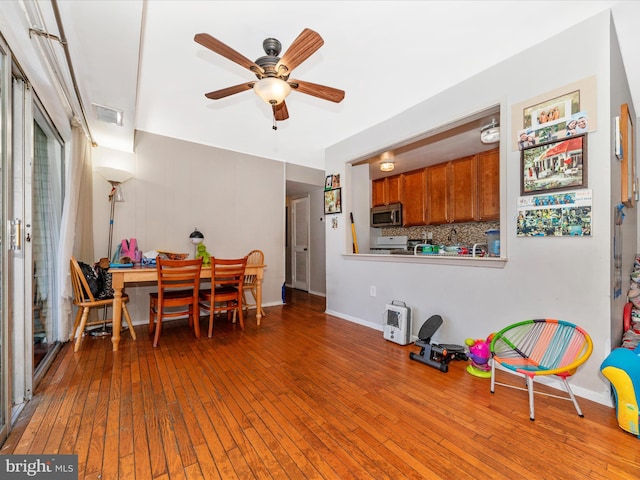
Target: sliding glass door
{"x": 5, "y": 80}
{"x": 31, "y": 188}
{"x": 44, "y": 235}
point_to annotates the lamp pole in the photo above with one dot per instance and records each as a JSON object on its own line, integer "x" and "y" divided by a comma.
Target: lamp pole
{"x": 112, "y": 197}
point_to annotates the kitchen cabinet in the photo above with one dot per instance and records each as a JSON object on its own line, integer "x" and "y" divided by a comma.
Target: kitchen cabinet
{"x": 414, "y": 186}
{"x": 438, "y": 194}
{"x": 386, "y": 190}
{"x": 452, "y": 191}
{"x": 463, "y": 189}
{"x": 489, "y": 185}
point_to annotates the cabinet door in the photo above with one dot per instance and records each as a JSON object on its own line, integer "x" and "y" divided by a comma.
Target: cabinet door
{"x": 413, "y": 198}
{"x": 489, "y": 185}
{"x": 386, "y": 190}
{"x": 463, "y": 189}
{"x": 437, "y": 194}
{"x": 378, "y": 192}
{"x": 394, "y": 189}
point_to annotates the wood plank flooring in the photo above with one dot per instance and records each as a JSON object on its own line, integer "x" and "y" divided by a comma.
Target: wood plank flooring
{"x": 303, "y": 396}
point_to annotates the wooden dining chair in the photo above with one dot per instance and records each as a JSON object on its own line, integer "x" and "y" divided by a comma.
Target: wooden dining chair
{"x": 255, "y": 257}
{"x": 225, "y": 294}
{"x": 85, "y": 301}
{"x": 177, "y": 295}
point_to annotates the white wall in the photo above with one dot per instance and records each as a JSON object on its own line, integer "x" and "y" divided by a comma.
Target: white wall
{"x": 237, "y": 201}
{"x": 565, "y": 278}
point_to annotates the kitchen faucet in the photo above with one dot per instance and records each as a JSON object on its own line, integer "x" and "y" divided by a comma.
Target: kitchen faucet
{"x": 453, "y": 236}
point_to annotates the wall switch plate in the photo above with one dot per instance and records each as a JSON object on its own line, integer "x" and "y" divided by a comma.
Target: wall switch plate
{"x": 372, "y": 290}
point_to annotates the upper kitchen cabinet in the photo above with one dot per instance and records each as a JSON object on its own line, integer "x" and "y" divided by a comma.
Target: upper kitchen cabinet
{"x": 463, "y": 189}
{"x": 385, "y": 191}
{"x": 452, "y": 191}
{"x": 489, "y": 185}
{"x": 438, "y": 194}
{"x": 414, "y": 211}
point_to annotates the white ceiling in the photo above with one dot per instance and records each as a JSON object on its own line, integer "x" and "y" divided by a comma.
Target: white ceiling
{"x": 140, "y": 57}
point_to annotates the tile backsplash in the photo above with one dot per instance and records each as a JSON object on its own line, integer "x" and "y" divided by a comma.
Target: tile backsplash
{"x": 462, "y": 233}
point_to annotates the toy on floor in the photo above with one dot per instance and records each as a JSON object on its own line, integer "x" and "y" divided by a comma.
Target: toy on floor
{"x": 479, "y": 355}
{"x": 622, "y": 369}
{"x": 433, "y": 354}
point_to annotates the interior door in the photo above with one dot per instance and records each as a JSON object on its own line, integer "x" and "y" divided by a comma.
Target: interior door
{"x": 300, "y": 243}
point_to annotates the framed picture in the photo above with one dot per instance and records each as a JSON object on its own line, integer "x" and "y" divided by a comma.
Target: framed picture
{"x": 557, "y": 165}
{"x": 628, "y": 173}
{"x": 333, "y": 201}
{"x": 551, "y": 112}
{"x": 328, "y": 183}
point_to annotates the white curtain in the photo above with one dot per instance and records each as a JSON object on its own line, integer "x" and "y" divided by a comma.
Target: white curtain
{"x": 76, "y": 232}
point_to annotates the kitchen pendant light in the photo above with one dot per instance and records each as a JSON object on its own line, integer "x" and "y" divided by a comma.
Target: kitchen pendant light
{"x": 490, "y": 133}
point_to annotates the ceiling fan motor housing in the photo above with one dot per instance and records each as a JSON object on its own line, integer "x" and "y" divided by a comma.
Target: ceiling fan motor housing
{"x": 268, "y": 62}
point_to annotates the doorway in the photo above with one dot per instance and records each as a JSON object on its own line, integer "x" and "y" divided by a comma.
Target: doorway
{"x": 300, "y": 243}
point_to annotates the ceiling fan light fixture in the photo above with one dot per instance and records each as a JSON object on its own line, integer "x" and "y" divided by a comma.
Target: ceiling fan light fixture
{"x": 272, "y": 90}
{"x": 490, "y": 133}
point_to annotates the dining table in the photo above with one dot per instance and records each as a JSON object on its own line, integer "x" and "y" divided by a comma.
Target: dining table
{"x": 121, "y": 276}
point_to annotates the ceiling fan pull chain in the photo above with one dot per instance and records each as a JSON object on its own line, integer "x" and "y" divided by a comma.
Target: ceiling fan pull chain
{"x": 273, "y": 108}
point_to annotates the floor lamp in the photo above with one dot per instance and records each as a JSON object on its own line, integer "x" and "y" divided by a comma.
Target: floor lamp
{"x": 116, "y": 178}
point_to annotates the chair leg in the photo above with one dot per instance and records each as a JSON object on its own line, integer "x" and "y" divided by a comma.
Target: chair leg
{"x": 76, "y": 323}
{"x": 493, "y": 375}
{"x": 573, "y": 397}
{"x": 240, "y": 315}
{"x": 156, "y": 337}
{"x": 530, "y": 388}
{"x": 127, "y": 318}
{"x": 152, "y": 315}
{"x": 83, "y": 323}
{"x": 194, "y": 319}
{"x": 211, "y": 315}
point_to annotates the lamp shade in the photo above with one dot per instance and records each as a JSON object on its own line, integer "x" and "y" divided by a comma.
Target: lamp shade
{"x": 272, "y": 90}
{"x": 114, "y": 174}
{"x": 196, "y": 237}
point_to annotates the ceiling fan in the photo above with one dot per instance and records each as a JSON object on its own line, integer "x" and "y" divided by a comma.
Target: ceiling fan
{"x": 273, "y": 84}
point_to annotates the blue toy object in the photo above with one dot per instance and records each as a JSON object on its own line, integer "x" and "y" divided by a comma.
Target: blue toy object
{"x": 622, "y": 369}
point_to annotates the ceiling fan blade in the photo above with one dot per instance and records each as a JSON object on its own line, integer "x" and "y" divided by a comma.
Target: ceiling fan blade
{"x": 225, "y": 92}
{"x": 305, "y": 45}
{"x": 226, "y": 51}
{"x": 280, "y": 112}
{"x": 320, "y": 91}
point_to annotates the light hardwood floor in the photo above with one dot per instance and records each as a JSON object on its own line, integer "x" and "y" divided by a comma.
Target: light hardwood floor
{"x": 303, "y": 396}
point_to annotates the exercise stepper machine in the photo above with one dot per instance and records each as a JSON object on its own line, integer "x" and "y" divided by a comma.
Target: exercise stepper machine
{"x": 433, "y": 354}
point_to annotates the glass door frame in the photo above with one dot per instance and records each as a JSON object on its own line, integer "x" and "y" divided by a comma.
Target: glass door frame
{"x": 5, "y": 274}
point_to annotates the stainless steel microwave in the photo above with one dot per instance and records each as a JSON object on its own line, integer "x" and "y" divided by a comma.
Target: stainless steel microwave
{"x": 387, "y": 215}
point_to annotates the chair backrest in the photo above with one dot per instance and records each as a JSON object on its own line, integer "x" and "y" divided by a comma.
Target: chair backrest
{"x": 255, "y": 257}
{"x": 178, "y": 275}
{"x": 81, "y": 290}
{"x": 542, "y": 347}
{"x": 228, "y": 272}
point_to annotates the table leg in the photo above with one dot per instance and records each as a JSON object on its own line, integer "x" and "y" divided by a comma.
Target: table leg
{"x": 117, "y": 316}
{"x": 258, "y": 299}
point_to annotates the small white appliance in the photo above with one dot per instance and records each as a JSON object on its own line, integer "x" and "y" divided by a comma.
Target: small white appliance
{"x": 397, "y": 323}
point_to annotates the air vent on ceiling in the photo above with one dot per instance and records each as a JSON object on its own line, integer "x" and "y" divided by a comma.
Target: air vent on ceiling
{"x": 108, "y": 114}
